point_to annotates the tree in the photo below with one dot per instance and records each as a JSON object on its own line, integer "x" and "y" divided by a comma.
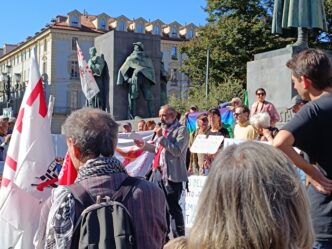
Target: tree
{"x": 236, "y": 30}
{"x": 230, "y": 88}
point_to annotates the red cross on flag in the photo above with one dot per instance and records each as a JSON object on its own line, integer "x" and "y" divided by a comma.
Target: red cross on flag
{"x": 30, "y": 152}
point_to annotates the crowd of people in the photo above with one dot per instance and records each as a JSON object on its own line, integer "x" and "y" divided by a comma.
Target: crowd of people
{"x": 253, "y": 197}
{"x": 257, "y": 124}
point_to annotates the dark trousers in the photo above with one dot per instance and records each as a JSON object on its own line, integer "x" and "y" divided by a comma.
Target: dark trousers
{"x": 173, "y": 192}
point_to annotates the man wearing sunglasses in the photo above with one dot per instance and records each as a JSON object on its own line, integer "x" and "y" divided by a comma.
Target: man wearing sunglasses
{"x": 243, "y": 129}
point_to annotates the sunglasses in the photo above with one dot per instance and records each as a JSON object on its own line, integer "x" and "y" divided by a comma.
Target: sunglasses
{"x": 260, "y": 94}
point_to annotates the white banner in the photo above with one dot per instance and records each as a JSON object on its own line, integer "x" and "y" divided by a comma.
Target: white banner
{"x": 88, "y": 82}
{"x": 189, "y": 200}
{"x": 136, "y": 161}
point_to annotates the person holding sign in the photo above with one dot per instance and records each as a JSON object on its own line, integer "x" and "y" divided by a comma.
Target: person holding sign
{"x": 197, "y": 159}
{"x": 253, "y": 199}
{"x": 216, "y": 129}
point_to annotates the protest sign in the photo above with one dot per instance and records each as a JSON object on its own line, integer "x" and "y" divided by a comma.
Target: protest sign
{"x": 206, "y": 144}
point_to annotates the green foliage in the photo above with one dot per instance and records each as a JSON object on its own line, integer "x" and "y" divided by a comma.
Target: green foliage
{"x": 237, "y": 30}
{"x": 224, "y": 91}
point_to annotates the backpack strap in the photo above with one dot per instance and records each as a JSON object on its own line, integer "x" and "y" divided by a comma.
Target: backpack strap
{"x": 126, "y": 186}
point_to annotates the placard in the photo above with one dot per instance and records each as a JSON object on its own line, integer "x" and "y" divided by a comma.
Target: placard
{"x": 206, "y": 144}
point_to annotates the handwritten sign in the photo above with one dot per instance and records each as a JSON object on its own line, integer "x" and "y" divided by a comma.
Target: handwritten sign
{"x": 206, "y": 144}
{"x": 189, "y": 200}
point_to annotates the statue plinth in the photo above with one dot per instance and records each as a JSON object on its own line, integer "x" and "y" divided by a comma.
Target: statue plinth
{"x": 269, "y": 71}
{"x": 116, "y": 47}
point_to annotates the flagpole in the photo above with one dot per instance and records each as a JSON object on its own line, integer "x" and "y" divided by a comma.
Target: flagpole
{"x": 50, "y": 108}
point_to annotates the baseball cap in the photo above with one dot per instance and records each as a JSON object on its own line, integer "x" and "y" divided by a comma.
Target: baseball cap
{"x": 194, "y": 107}
{"x": 297, "y": 100}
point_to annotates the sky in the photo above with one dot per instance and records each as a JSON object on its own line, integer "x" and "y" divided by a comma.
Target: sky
{"x": 21, "y": 18}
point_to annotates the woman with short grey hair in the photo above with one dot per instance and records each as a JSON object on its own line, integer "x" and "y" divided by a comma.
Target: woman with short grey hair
{"x": 253, "y": 199}
{"x": 262, "y": 123}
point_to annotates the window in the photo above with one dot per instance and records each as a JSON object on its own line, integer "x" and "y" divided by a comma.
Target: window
{"x": 174, "y": 32}
{"x": 121, "y": 26}
{"x": 190, "y": 34}
{"x": 139, "y": 28}
{"x": 73, "y": 43}
{"x": 174, "y": 53}
{"x": 102, "y": 24}
{"x": 156, "y": 30}
{"x": 74, "y": 21}
{"x": 74, "y": 72}
{"x": 74, "y": 100}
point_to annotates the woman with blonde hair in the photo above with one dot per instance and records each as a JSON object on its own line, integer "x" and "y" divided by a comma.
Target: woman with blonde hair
{"x": 252, "y": 199}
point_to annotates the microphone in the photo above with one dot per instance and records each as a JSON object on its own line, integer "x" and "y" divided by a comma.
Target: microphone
{"x": 154, "y": 134}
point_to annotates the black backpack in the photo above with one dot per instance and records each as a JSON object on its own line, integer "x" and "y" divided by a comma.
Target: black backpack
{"x": 106, "y": 222}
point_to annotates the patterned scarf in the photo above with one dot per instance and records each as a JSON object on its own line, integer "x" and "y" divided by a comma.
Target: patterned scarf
{"x": 100, "y": 166}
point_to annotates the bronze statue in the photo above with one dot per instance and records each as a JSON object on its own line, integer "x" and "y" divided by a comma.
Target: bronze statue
{"x": 163, "y": 83}
{"x": 139, "y": 73}
{"x": 301, "y": 14}
{"x": 97, "y": 64}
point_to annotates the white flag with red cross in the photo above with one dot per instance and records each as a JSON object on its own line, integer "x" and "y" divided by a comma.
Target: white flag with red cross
{"x": 29, "y": 155}
{"x": 88, "y": 82}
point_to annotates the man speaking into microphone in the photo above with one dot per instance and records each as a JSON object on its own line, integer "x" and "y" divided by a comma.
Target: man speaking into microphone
{"x": 170, "y": 147}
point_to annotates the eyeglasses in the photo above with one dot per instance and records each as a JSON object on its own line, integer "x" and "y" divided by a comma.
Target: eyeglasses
{"x": 260, "y": 94}
{"x": 236, "y": 114}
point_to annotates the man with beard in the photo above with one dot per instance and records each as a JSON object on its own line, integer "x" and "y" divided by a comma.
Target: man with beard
{"x": 170, "y": 147}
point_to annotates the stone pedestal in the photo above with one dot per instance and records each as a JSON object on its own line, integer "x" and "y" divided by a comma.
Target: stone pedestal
{"x": 269, "y": 71}
{"x": 116, "y": 46}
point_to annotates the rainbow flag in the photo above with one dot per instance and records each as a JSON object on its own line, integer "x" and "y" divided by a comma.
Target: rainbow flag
{"x": 227, "y": 118}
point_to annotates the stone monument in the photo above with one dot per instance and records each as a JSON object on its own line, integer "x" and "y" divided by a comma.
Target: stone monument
{"x": 138, "y": 72}
{"x": 97, "y": 64}
{"x": 268, "y": 70}
{"x": 116, "y": 47}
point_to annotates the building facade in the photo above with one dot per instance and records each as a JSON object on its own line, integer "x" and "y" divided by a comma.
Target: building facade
{"x": 55, "y": 47}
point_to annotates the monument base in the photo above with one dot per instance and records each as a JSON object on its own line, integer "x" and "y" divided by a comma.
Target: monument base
{"x": 269, "y": 71}
{"x": 116, "y": 46}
